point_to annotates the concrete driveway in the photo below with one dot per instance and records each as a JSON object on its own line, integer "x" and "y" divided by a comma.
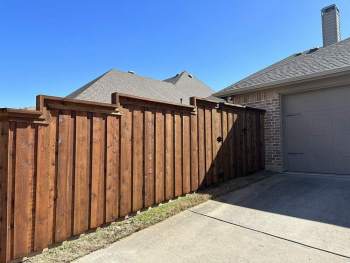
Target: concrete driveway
{"x": 285, "y": 218}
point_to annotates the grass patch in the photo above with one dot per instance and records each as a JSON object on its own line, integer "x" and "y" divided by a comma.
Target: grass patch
{"x": 102, "y": 237}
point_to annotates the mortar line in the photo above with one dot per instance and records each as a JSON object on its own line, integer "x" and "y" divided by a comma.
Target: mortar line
{"x": 271, "y": 235}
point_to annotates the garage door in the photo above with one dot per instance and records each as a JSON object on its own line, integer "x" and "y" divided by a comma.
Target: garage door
{"x": 317, "y": 131}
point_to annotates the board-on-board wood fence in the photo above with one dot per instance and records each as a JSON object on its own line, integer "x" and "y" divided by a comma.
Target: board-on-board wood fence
{"x": 70, "y": 166}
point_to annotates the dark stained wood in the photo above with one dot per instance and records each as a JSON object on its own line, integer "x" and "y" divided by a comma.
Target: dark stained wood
{"x": 52, "y": 174}
{"x": 178, "y": 154}
{"x": 249, "y": 142}
{"x": 82, "y": 174}
{"x": 23, "y": 199}
{"x": 216, "y": 133}
{"x": 6, "y": 143}
{"x": 158, "y": 105}
{"x": 97, "y": 171}
{"x": 169, "y": 156}
{"x": 112, "y": 168}
{"x": 43, "y": 202}
{"x": 257, "y": 142}
{"x": 254, "y": 126}
{"x": 194, "y": 153}
{"x": 244, "y": 143}
{"x": 138, "y": 171}
{"x": 63, "y": 225}
{"x": 224, "y": 150}
{"x": 262, "y": 144}
{"x": 126, "y": 163}
{"x": 208, "y": 147}
{"x": 149, "y": 159}
{"x": 159, "y": 158}
{"x": 186, "y": 154}
{"x": 201, "y": 148}
{"x": 75, "y": 105}
{"x": 73, "y": 165}
{"x": 239, "y": 138}
{"x": 231, "y": 144}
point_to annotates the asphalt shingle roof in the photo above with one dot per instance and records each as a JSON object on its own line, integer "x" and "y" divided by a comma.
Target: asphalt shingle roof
{"x": 182, "y": 86}
{"x": 313, "y": 61}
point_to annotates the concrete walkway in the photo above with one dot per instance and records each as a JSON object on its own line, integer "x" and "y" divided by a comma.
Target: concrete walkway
{"x": 286, "y": 218}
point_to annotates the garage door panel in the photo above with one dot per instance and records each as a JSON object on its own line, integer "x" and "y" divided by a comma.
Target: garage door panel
{"x": 318, "y": 123}
{"x": 342, "y": 164}
{"x": 296, "y": 142}
{"x": 318, "y": 139}
{"x": 297, "y": 161}
{"x": 342, "y": 141}
{"x": 319, "y": 162}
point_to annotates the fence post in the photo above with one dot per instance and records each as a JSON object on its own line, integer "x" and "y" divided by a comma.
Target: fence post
{"x": 5, "y": 189}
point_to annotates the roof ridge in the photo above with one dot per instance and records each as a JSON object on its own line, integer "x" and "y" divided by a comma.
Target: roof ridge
{"x": 175, "y": 78}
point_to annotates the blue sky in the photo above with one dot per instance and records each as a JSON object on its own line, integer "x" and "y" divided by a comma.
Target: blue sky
{"x": 54, "y": 47}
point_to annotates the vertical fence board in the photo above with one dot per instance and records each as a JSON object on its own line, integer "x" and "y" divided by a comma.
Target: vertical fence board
{"x": 126, "y": 164}
{"x": 52, "y": 174}
{"x": 82, "y": 173}
{"x": 178, "y": 154}
{"x": 112, "y": 168}
{"x": 219, "y": 165}
{"x": 63, "y": 224}
{"x": 149, "y": 158}
{"x": 159, "y": 155}
{"x": 23, "y": 189}
{"x": 231, "y": 145}
{"x": 138, "y": 171}
{"x": 262, "y": 144}
{"x": 186, "y": 154}
{"x": 201, "y": 148}
{"x": 257, "y": 141}
{"x": 194, "y": 153}
{"x": 208, "y": 147}
{"x": 247, "y": 142}
{"x": 98, "y": 171}
{"x": 241, "y": 134}
{"x": 42, "y": 238}
{"x": 6, "y": 176}
{"x": 169, "y": 156}
{"x": 224, "y": 151}
{"x": 254, "y": 142}
{"x": 214, "y": 135}
{"x": 250, "y": 143}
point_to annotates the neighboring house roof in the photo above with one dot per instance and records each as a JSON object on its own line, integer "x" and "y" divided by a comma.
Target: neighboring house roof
{"x": 304, "y": 65}
{"x": 182, "y": 86}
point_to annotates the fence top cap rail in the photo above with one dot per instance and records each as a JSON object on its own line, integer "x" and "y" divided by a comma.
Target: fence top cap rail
{"x": 67, "y": 101}
{"x": 241, "y": 106}
{"x": 219, "y": 104}
{"x": 116, "y": 97}
{"x": 19, "y": 113}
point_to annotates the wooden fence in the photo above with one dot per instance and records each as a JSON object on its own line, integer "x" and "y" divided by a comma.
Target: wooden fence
{"x": 71, "y": 165}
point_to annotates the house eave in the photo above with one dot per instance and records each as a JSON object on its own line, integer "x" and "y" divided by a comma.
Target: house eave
{"x": 287, "y": 82}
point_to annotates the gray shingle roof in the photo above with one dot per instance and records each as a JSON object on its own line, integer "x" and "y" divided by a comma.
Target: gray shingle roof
{"x": 302, "y": 65}
{"x": 182, "y": 86}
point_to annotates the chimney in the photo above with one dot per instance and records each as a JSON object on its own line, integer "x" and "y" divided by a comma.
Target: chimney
{"x": 330, "y": 25}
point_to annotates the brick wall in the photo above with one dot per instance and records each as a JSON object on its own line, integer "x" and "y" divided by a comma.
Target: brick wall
{"x": 269, "y": 100}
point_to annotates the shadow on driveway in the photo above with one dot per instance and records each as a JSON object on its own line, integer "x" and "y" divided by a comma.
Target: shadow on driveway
{"x": 320, "y": 198}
